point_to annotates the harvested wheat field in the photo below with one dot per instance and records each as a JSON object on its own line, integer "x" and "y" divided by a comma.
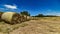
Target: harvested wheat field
{"x": 44, "y": 25}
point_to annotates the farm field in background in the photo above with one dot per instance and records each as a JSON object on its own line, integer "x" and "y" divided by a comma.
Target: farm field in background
{"x": 38, "y": 25}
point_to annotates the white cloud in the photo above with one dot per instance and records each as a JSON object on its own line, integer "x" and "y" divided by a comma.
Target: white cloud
{"x": 11, "y": 6}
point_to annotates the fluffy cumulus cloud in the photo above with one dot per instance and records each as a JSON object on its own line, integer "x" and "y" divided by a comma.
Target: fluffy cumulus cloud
{"x": 11, "y": 6}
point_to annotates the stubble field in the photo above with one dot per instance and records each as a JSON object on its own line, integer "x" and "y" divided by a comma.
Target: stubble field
{"x": 41, "y": 25}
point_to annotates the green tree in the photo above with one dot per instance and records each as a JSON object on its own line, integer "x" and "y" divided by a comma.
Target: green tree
{"x": 25, "y": 13}
{"x": 39, "y": 15}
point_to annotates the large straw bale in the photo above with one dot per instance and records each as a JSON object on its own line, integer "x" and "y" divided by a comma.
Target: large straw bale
{"x": 11, "y": 17}
{"x": 7, "y": 16}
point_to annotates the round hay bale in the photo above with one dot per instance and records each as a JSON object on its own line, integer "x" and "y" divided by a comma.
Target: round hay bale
{"x": 7, "y": 16}
{"x": 27, "y": 18}
{"x": 11, "y": 17}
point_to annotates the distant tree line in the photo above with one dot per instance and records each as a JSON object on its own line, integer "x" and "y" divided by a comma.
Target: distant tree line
{"x": 39, "y": 15}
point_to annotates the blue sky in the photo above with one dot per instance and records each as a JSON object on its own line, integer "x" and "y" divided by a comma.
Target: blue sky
{"x": 34, "y": 7}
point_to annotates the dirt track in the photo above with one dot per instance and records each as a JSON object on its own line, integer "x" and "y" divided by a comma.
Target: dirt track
{"x": 39, "y": 27}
